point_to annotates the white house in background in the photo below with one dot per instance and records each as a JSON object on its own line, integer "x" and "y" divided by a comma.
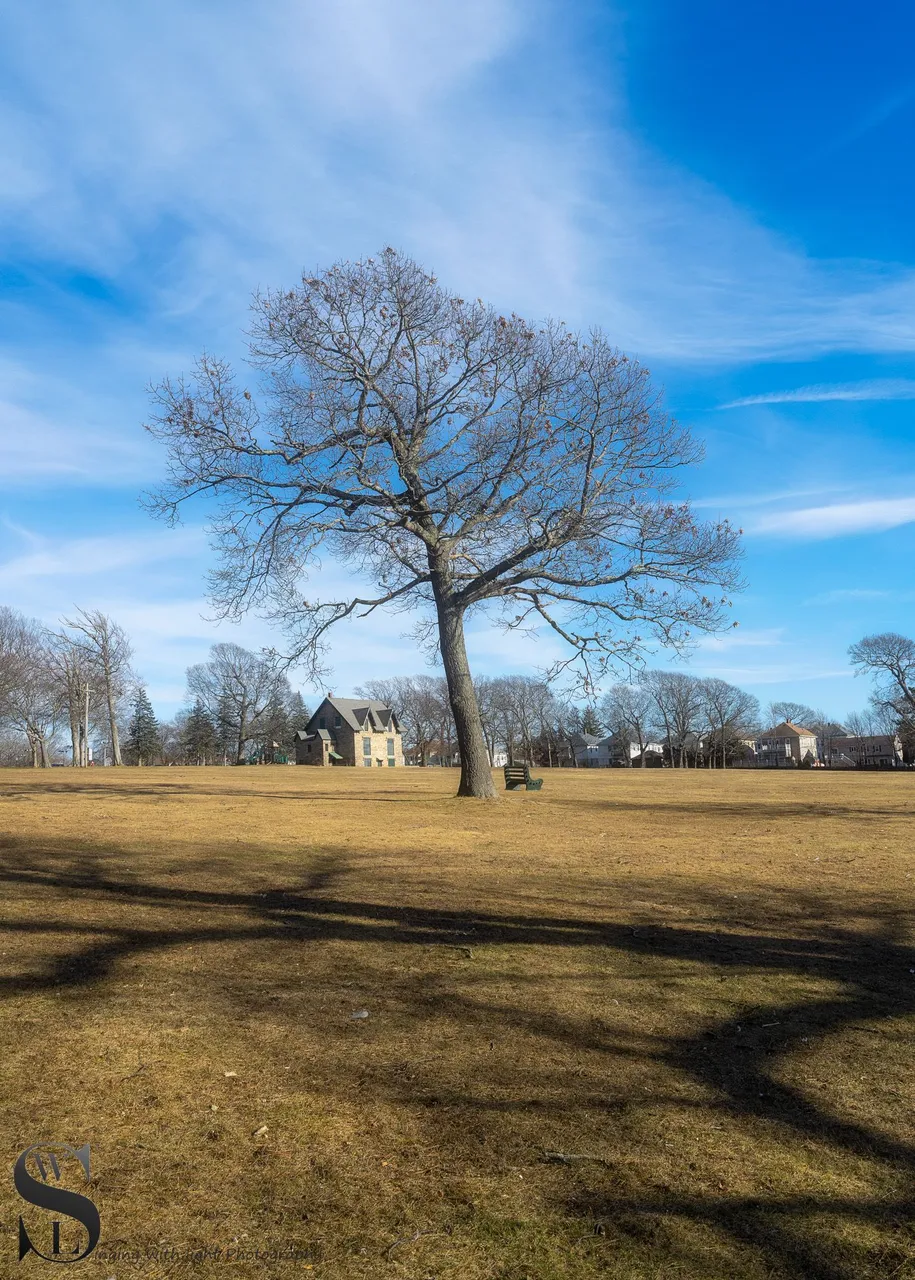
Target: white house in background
{"x": 615, "y": 749}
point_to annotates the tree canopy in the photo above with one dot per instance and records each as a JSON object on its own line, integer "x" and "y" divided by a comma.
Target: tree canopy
{"x": 455, "y": 458}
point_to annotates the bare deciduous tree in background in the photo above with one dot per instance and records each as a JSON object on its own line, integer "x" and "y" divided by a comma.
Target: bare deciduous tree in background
{"x": 106, "y": 648}
{"x": 75, "y": 676}
{"x": 12, "y": 658}
{"x": 678, "y": 703}
{"x": 795, "y": 712}
{"x": 236, "y": 687}
{"x": 462, "y": 460}
{"x": 417, "y": 701}
{"x": 627, "y": 712}
{"x": 731, "y": 714}
{"x": 890, "y": 659}
{"x": 30, "y": 700}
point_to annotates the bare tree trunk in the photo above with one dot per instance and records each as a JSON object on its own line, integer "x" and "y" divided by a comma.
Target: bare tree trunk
{"x": 112, "y": 722}
{"x": 242, "y": 734}
{"x": 86, "y": 725}
{"x": 74, "y": 735}
{"x": 476, "y": 775}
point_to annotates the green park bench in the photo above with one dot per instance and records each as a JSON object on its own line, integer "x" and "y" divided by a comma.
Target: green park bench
{"x": 518, "y": 776}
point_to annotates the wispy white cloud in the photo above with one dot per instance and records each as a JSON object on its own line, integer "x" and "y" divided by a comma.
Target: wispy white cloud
{"x": 878, "y": 115}
{"x": 738, "y": 638}
{"x": 256, "y": 141}
{"x": 859, "y": 595}
{"x": 52, "y": 429}
{"x": 875, "y": 389}
{"x": 81, "y": 558}
{"x": 782, "y": 673}
{"x": 838, "y": 519}
{"x": 740, "y": 500}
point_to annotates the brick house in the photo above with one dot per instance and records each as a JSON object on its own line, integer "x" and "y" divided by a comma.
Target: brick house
{"x": 351, "y": 731}
{"x": 787, "y": 745}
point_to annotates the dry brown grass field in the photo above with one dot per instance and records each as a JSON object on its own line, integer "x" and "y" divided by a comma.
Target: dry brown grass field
{"x": 635, "y": 1025}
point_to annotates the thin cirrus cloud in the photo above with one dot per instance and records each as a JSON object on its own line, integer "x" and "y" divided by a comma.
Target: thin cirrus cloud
{"x": 876, "y": 389}
{"x": 95, "y": 556}
{"x": 738, "y": 638}
{"x": 795, "y": 673}
{"x": 304, "y": 131}
{"x": 860, "y": 595}
{"x": 742, "y": 500}
{"x": 838, "y": 519}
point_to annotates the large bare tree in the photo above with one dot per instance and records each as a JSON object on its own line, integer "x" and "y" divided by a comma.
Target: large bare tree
{"x": 458, "y": 459}
{"x": 106, "y": 648}
{"x": 890, "y": 659}
{"x": 76, "y": 677}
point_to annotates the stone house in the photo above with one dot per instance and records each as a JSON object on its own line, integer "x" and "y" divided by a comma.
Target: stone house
{"x": 351, "y": 731}
{"x": 786, "y": 745}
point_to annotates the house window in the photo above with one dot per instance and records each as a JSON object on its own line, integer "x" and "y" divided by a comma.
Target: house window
{"x": 337, "y": 722}
{"x": 322, "y": 722}
{"x": 391, "y": 762}
{"x": 366, "y": 746}
{"x": 308, "y": 748}
{"x": 367, "y": 762}
{"x": 390, "y": 747}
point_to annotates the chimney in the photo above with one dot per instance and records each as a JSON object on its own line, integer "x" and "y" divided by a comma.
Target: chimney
{"x": 328, "y": 694}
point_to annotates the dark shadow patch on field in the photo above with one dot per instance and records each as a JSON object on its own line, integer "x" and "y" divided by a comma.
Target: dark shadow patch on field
{"x": 868, "y": 971}
{"x": 745, "y": 812}
{"x": 165, "y": 791}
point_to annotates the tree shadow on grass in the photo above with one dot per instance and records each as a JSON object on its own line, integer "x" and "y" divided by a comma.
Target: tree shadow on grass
{"x": 868, "y": 975}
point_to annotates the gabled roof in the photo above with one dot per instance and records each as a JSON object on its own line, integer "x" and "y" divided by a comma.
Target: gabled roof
{"x": 362, "y": 714}
{"x": 302, "y": 735}
{"x": 787, "y": 729}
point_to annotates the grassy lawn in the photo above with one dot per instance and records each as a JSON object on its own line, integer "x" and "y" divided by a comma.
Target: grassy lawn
{"x": 635, "y": 1025}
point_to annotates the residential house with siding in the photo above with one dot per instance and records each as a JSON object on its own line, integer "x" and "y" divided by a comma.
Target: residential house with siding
{"x": 592, "y": 752}
{"x": 871, "y": 751}
{"x": 786, "y": 745}
{"x": 351, "y": 731}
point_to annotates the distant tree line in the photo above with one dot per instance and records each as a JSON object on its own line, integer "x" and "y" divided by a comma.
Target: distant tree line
{"x": 71, "y": 693}
{"x": 699, "y": 722}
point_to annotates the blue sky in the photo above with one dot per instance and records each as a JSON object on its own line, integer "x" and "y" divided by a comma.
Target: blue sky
{"x": 726, "y": 189}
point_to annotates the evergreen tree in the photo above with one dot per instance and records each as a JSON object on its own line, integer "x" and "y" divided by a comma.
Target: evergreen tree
{"x": 590, "y": 723}
{"x": 299, "y": 715}
{"x": 143, "y": 731}
{"x": 200, "y": 738}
